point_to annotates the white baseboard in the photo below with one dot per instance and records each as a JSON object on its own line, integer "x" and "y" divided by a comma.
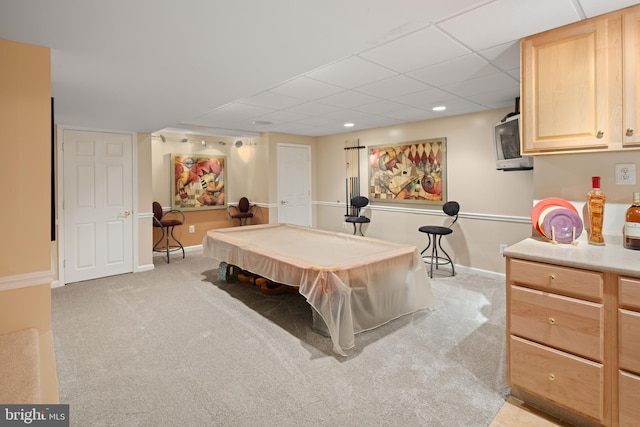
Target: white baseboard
{"x": 141, "y": 268}
{"x": 479, "y": 272}
{"x": 187, "y": 249}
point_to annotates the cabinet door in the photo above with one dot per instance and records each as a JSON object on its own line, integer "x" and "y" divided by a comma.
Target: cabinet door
{"x": 629, "y": 386}
{"x": 631, "y": 70}
{"x": 565, "y": 88}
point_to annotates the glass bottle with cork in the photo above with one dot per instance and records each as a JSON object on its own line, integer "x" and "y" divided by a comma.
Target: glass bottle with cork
{"x": 595, "y": 207}
{"x": 632, "y": 224}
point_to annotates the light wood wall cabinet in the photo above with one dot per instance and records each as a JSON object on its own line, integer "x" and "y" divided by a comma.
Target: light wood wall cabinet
{"x": 580, "y": 86}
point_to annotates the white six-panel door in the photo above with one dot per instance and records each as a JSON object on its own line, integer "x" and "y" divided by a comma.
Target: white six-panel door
{"x": 294, "y": 184}
{"x": 97, "y": 206}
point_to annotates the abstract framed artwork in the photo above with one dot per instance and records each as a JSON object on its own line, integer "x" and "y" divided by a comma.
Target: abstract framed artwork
{"x": 198, "y": 182}
{"x": 409, "y": 172}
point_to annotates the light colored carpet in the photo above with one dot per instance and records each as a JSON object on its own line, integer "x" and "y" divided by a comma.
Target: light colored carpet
{"x": 174, "y": 347}
{"x": 20, "y": 367}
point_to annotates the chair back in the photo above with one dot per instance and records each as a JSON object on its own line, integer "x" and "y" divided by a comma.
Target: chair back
{"x": 358, "y": 203}
{"x": 157, "y": 210}
{"x": 451, "y": 209}
{"x": 243, "y": 205}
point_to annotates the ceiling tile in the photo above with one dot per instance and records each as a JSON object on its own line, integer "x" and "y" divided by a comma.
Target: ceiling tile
{"x": 393, "y": 86}
{"x": 499, "y": 98}
{"x": 508, "y": 20}
{"x": 416, "y": 50}
{"x": 271, "y": 99}
{"x": 348, "y": 99}
{"x": 459, "y": 69}
{"x": 482, "y": 84}
{"x": 424, "y": 99}
{"x": 505, "y": 56}
{"x": 598, "y": 7}
{"x": 345, "y": 115}
{"x": 235, "y": 113}
{"x": 380, "y": 107}
{"x": 282, "y": 116}
{"x": 351, "y": 73}
{"x": 312, "y": 108}
{"x": 411, "y": 114}
{"x": 306, "y": 88}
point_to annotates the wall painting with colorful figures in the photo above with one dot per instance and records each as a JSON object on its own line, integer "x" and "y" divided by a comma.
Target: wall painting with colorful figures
{"x": 409, "y": 172}
{"x": 198, "y": 182}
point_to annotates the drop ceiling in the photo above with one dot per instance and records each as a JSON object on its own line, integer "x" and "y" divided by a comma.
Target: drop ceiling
{"x": 238, "y": 68}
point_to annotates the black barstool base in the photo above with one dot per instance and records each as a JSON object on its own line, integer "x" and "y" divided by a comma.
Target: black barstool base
{"x": 434, "y": 258}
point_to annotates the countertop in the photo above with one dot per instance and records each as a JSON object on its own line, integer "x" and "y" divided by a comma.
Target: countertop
{"x": 611, "y": 257}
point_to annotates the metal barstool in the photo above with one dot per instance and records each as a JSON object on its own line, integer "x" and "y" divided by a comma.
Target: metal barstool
{"x": 435, "y": 233}
{"x": 167, "y": 224}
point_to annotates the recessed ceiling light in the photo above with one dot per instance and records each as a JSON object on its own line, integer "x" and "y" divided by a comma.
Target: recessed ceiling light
{"x": 439, "y": 108}
{"x": 262, "y": 122}
{"x": 349, "y": 125}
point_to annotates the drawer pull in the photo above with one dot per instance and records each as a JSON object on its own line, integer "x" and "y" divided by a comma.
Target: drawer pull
{"x": 552, "y": 277}
{"x": 551, "y": 376}
{"x": 551, "y": 321}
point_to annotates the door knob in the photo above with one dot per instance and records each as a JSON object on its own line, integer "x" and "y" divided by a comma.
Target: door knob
{"x": 126, "y": 213}
{"x": 283, "y": 202}
{"x": 629, "y": 132}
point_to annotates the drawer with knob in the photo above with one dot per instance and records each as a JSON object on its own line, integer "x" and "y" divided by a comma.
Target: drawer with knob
{"x": 629, "y": 340}
{"x": 561, "y": 280}
{"x": 567, "y": 380}
{"x": 629, "y": 293}
{"x": 563, "y": 322}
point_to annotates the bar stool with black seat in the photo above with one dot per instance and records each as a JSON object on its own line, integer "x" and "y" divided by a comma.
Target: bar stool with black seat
{"x": 167, "y": 221}
{"x": 435, "y": 233}
{"x": 358, "y": 203}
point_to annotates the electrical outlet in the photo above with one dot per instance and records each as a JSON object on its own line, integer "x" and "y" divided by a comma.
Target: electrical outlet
{"x": 192, "y": 229}
{"x": 625, "y": 173}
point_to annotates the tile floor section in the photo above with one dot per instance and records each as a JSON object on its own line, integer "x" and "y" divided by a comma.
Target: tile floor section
{"x": 515, "y": 414}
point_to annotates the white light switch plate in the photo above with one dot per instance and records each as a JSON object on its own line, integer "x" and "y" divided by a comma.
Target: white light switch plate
{"x": 625, "y": 174}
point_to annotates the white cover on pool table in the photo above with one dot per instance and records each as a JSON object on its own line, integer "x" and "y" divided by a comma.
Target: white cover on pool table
{"x": 355, "y": 283}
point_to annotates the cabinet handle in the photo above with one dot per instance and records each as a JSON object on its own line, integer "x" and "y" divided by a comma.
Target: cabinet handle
{"x": 551, "y": 321}
{"x": 551, "y": 376}
{"x": 629, "y": 132}
{"x": 600, "y": 134}
{"x": 552, "y": 277}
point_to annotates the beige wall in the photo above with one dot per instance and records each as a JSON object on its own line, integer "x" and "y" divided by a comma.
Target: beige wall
{"x": 25, "y": 138}
{"x": 569, "y": 176}
{"x": 245, "y": 175}
{"x": 495, "y": 205}
{"x": 489, "y": 199}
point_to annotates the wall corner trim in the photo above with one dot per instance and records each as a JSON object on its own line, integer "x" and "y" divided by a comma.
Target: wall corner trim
{"x": 25, "y": 280}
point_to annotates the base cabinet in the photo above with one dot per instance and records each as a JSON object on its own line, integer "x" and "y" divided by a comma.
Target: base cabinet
{"x": 629, "y": 351}
{"x": 556, "y": 326}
